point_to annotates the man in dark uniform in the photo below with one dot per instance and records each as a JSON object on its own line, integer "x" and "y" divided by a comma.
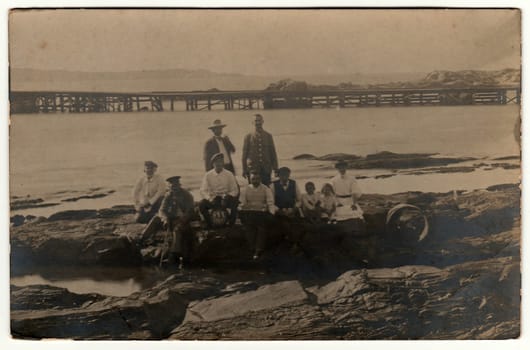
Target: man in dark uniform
{"x": 176, "y": 212}
{"x": 259, "y": 153}
{"x": 218, "y": 144}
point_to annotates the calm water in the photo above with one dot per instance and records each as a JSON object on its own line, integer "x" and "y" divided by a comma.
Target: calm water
{"x": 58, "y": 153}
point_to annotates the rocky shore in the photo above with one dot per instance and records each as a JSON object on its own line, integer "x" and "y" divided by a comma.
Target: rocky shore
{"x": 461, "y": 282}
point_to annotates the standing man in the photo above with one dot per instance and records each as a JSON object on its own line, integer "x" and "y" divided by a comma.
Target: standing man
{"x": 175, "y": 213}
{"x": 347, "y": 192}
{"x": 259, "y": 153}
{"x": 218, "y": 144}
{"x": 219, "y": 190}
{"x": 148, "y": 193}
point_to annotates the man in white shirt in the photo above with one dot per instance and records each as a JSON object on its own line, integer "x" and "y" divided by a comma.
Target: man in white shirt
{"x": 219, "y": 190}
{"x": 148, "y": 193}
{"x": 347, "y": 192}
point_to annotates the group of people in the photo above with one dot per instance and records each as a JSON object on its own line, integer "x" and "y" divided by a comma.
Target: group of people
{"x": 259, "y": 204}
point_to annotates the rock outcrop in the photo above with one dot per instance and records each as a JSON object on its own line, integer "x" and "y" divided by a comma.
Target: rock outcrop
{"x": 462, "y": 281}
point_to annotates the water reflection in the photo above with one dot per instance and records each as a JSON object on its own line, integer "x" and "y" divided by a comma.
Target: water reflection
{"x": 105, "y": 281}
{"x": 83, "y": 285}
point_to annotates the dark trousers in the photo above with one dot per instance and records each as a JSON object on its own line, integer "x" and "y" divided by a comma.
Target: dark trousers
{"x": 257, "y": 224}
{"x": 143, "y": 217}
{"x": 290, "y": 226}
{"x": 180, "y": 238}
{"x": 228, "y": 202}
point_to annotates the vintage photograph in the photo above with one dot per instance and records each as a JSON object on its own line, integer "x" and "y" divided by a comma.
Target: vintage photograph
{"x": 265, "y": 174}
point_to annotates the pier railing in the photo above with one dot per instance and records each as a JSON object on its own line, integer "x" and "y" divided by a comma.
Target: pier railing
{"x": 94, "y": 102}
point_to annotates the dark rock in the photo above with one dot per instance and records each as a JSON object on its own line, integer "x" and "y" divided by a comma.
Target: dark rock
{"x": 508, "y": 158}
{"x": 74, "y": 215}
{"x": 17, "y": 220}
{"x": 305, "y": 156}
{"x": 389, "y": 160}
{"x": 462, "y": 281}
{"x": 75, "y": 242}
{"x": 408, "y": 302}
{"x": 89, "y": 196}
{"x": 339, "y": 156}
{"x": 503, "y": 187}
{"x": 43, "y": 297}
{"x": 150, "y": 314}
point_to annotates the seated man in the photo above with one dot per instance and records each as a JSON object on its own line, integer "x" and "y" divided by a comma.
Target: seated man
{"x": 286, "y": 194}
{"x": 256, "y": 209}
{"x": 219, "y": 189}
{"x": 148, "y": 193}
{"x": 287, "y": 200}
{"x": 175, "y": 213}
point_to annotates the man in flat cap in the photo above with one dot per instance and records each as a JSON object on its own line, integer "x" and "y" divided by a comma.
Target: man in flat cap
{"x": 347, "y": 192}
{"x": 148, "y": 193}
{"x": 219, "y": 143}
{"x": 176, "y": 212}
{"x": 259, "y": 153}
{"x": 219, "y": 189}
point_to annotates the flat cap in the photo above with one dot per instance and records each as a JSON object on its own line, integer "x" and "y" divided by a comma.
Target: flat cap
{"x": 173, "y": 179}
{"x": 284, "y": 170}
{"x": 216, "y": 156}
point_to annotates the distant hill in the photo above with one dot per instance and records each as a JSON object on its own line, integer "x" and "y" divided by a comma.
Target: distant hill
{"x": 436, "y": 79}
{"x": 23, "y": 79}
{"x": 136, "y": 81}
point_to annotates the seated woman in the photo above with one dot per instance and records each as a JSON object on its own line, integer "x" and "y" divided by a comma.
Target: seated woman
{"x": 256, "y": 210}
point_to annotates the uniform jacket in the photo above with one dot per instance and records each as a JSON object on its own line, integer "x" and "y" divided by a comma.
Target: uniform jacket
{"x": 259, "y": 152}
{"x": 211, "y": 147}
{"x": 177, "y": 205}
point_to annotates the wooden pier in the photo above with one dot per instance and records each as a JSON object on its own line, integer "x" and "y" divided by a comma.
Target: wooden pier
{"x": 96, "y": 102}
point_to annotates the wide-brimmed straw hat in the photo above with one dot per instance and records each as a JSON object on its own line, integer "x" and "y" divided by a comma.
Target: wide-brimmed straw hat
{"x": 217, "y": 124}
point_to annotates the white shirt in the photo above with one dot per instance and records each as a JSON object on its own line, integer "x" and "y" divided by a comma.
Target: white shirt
{"x": 222, "y": 149}
{"x": 149, "y": 190}
{"x": 346, "y": 185}
{"x": 218, "y": 184}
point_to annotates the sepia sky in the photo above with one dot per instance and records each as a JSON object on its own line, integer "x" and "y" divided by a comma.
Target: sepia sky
{"x": 260, "y": 42}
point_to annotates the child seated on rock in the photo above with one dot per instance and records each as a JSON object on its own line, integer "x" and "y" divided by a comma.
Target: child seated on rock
{"x": 311, "y": 203}
{"x": 328, "y": 203}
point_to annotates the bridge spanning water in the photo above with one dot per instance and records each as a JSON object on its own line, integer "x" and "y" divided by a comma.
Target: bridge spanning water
{"x": 93, "y": 102}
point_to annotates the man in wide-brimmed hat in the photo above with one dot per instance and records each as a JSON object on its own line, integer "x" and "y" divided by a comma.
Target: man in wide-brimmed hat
{"x": 219, "y": 143}
{"x": 148, "y": 193}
